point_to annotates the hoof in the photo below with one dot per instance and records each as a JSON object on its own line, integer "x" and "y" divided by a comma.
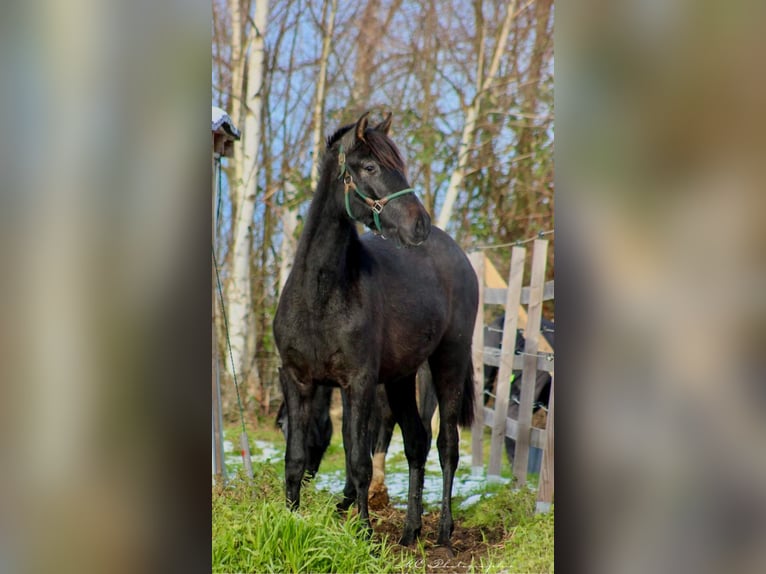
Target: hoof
{"x": 445, "y": 550}
{"x": 367, "y": 531}
{"x": 344, "y": 504}
{"x": 409, "y": 537}
{"x": 444, "y": 537}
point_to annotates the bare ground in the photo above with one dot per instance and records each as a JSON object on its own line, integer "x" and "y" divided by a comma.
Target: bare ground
{"x": 468, "y": 544}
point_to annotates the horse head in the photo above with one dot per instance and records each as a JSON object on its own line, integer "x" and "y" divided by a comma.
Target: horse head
{"x": 374, "y": 182}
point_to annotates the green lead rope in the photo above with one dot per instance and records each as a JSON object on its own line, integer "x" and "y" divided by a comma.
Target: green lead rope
{"x": 375, "y": 205}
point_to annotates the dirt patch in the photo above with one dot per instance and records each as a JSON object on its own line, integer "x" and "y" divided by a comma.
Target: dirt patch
{"x": 468, "y": 544}
{"x": 377, "y": 498}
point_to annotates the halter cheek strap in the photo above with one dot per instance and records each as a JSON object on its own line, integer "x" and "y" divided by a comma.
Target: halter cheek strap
{"x": 375, "y": 205}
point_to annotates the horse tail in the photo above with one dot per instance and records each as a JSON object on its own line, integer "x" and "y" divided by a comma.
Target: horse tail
{"x": 466, "y": 408}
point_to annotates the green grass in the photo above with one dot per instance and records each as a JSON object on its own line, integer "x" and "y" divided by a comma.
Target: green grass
{"x": 528, "y": 547}
{"x": 254, "y": 532}
{"x": 501, "y": 506}
{"x": 527, "y": 538}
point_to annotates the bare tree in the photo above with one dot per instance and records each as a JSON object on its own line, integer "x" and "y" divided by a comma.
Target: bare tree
{"x": 471, "y": 116}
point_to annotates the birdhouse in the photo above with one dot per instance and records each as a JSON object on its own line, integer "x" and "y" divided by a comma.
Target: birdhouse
{"x": 225, "y": 133}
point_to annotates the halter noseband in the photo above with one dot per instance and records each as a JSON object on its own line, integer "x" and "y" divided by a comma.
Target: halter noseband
{"x": 375, "y": 205}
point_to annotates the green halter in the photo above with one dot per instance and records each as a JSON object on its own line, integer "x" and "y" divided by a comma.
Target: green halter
{"x": 375, "y": 205}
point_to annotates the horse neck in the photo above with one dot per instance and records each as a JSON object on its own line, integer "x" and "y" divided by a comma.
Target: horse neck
{"x": 329, "y": 239}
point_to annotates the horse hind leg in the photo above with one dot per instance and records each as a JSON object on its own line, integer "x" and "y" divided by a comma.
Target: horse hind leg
{"x": 401, "y": 398}
{"x": 449, "y": 368}
{"x": 349, "y": 490}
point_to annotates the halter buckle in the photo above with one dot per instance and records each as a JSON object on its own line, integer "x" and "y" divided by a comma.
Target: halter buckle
{"x": 348, "y": 183}
{"x": 377, "y": 207}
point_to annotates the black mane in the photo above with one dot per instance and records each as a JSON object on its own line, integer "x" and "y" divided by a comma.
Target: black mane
{"x": 381, "y": 146}
{"x": 339, "y": 133}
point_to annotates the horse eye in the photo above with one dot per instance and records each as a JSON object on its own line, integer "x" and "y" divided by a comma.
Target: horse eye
{"x": 369, "y": 168}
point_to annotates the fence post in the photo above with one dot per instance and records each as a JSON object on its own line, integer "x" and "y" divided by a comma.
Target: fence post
{"x": 477, "y": 430}
{"x": 513, "y": 297}
{"x": 529, "y": 373}
{"x": 545, "y": 492}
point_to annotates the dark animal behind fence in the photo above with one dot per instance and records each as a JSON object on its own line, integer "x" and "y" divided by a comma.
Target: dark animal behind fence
{"x": 493, "y": 336}
{"x": 360, "y": 311}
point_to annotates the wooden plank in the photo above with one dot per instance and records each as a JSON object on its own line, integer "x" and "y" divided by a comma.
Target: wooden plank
{"x": 537, "y": 436}
{"x": 548, "y": 293}
{"x": 545, "y": 492}
{"x": 508, "y": 345}
{"x": 529, "y": 372}
{"x": 477, "y": 430}
{"x": 492, "y": 358}
{"x": 496, "y": 296}
{"x": 493, "y": 279}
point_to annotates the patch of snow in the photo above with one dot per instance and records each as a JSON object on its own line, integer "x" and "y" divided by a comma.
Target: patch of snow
{"x": 467, "y": 483}
{"x": 470, "y": 501}
{"x": 332, "y": 482}
{"x": 269, "y": 453}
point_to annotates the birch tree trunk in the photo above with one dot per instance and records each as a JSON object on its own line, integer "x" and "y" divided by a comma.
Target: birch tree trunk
{"x": 239, "y": 296}
{"x": 318, "y": 123}
{"x": 237, "y": 108}
{"x": 289, "y": 241}
{"x": 471, "y": 116}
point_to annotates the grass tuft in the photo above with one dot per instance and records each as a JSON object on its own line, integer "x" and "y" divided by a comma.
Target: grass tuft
{"x": 501, "y": 506}
{"x": 253, "y": 531}
{"x": 527, "y": 537}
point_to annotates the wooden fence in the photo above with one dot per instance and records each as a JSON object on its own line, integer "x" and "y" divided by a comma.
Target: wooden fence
{"x": 537, "y": 355}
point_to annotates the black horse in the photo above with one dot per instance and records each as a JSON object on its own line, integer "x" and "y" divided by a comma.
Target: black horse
{"x": 357, "y": 312}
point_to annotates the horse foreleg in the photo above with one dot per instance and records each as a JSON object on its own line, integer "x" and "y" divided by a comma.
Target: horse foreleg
{"x": 356, "y": 435}
{"x": 297, "y": 423}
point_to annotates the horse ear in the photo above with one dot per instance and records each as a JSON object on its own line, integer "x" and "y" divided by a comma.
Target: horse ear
{"x": 385, "y": 125}
{"x": 361, "y": 125}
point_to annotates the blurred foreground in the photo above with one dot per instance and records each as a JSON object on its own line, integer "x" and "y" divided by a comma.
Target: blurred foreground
{"x": 105, "y": 314}
{"x": 662, "y": 239}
